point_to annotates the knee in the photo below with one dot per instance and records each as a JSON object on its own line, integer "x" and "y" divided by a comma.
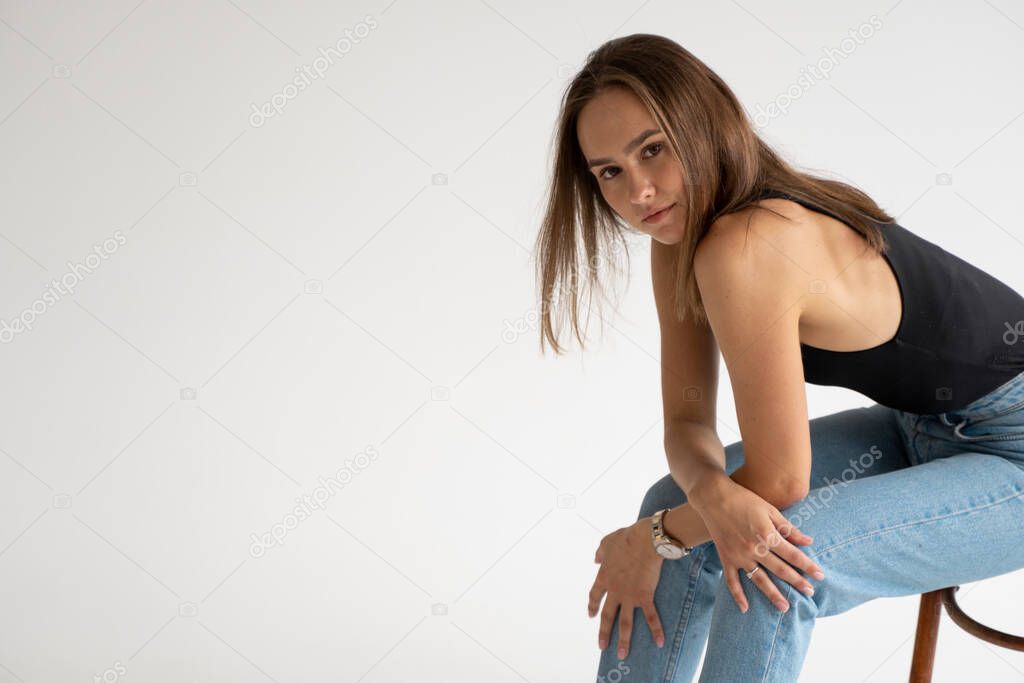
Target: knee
{"x": 837, "y": 592}
{"x": 665, "y": 493}
{"x": 763, "y": 611}
{"x": 733, "y": 456}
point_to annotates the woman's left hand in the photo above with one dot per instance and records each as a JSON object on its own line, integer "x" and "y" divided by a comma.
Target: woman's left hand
{"x": 629, "y": 573}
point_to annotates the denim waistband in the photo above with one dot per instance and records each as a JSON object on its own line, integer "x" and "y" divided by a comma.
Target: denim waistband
{"x": 1003, "y": 399}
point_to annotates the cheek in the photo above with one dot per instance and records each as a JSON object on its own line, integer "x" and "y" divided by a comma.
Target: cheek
{"x": 612, "y": 199}
{"x": 669, "y": 175}
{"x": 617, "y": 198}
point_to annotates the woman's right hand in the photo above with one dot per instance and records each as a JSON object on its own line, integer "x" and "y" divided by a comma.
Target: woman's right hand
{"x": 748, "y": 530}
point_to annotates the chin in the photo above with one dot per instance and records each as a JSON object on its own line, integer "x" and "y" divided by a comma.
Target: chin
{"x": 669, "y": 235}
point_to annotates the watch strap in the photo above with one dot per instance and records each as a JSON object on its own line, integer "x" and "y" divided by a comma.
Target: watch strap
{"x": 659, "y": 535}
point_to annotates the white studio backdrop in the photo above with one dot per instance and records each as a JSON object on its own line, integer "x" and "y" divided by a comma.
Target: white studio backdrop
{"x": 321, "y": 299}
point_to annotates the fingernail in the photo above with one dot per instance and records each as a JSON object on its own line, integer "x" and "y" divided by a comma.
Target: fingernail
{"x": 808, "y": 590}
{"x": 660, "y": 641}
{"x": 782, "y": 606}
{"x": 818, "y": 574}
{"x": 622, "y": 653}
{"x": 744, "y": 609}
{"x": 602, "y": 643}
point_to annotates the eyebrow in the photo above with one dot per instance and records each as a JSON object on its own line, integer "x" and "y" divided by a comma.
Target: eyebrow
{"x": 629, "y": 148}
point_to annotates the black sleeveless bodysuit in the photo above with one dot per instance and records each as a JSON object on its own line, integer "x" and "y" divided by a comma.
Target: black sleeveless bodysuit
{"x": 960, "y": 336}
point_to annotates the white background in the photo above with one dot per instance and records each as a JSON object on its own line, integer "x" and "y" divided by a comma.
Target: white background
{"x": 126, "y": 510}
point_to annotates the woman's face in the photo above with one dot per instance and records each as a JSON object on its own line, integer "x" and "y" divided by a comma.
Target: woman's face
{"x": 633, "y": 163}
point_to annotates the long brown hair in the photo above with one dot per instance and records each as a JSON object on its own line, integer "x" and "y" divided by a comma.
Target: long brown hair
{"x": 725, "y": 164}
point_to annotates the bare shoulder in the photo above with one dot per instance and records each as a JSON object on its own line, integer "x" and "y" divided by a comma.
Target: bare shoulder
{"x": 770, "y": 252}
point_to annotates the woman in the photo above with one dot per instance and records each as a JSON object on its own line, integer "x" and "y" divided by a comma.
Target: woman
{"x": 793, "y": 278}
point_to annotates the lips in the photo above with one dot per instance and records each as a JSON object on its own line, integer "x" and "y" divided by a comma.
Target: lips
{"x": 658, "y": 211}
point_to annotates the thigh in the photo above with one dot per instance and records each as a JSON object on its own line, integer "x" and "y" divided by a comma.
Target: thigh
{"x": 941, "y": 523}
{"x": 857, "y": 443}
{"x": 846, "y": 445}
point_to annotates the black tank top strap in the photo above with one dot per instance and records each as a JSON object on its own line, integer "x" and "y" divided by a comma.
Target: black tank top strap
{"x": 769, "y": 193}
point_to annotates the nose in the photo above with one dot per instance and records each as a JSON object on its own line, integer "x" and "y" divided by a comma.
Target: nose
{"x": 640, "y": 191}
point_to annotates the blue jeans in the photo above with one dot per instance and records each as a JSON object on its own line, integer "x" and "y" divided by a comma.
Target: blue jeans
{"x": 899, "y": 504}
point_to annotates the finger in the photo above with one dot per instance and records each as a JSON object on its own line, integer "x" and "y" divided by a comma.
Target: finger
{"x": 604, "y": 631}
{"x": 789, "y": 531}
{"x": 732, "y": 582}
{"x": 625, "y": 629}
{"x": 768, "y": 587}
{"x": 654, "y": 623}
{"x": 594, "y": 599}
{"x": 784, "y": 571}
{"x": 796, "y": 557}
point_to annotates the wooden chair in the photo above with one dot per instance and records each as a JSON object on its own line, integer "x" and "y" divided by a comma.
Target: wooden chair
{"x": 928, "y": 617}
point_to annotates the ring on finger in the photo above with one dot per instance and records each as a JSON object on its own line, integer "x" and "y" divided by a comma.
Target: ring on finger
{"x": 751, "y": 572}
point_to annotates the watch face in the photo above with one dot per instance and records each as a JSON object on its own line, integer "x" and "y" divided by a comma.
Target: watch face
{"x": 669, "y": 551}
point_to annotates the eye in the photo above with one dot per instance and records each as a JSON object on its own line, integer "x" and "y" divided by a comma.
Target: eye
{"x": 659, "y": 145}
{"x": 656, "y": 146}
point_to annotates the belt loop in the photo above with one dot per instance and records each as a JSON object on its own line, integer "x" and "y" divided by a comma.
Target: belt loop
{"x": 956, "y": 427}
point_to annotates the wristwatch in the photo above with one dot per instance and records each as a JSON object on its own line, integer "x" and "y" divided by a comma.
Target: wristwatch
{"x": 665, "y": 545}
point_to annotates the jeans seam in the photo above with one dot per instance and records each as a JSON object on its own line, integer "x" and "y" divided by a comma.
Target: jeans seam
{"x": 1003, "y": 412}
{"x": 684, "y": 618}
{"x": 879, "y": 532}
{"x": 775, "y": 636}
{"x": 1010, "y": 436}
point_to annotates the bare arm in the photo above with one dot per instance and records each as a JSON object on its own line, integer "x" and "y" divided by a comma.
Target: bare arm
{"x": 696, "y": 460}
{"x": 702, "y": 477}
{"x": 689, "y": 382}
{"x": 753, "y": 290}
{"x": 695, "y": 454}
{"x": 685, "y": 523}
